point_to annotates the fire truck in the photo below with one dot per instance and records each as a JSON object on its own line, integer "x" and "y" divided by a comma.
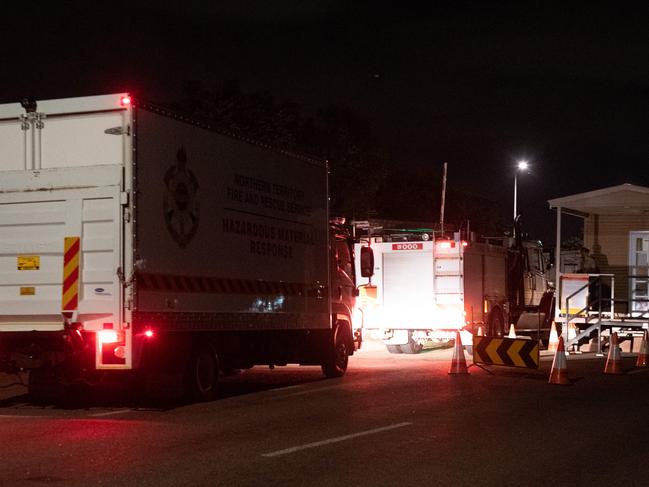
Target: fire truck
{"x": 135, "y": 242}
{"x": 425, "y": 287}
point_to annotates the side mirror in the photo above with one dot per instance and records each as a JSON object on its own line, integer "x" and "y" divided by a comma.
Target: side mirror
{"x": 367, "y": 262}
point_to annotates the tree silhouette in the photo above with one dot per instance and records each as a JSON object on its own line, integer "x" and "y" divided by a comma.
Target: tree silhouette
{"x": 364, "y": 181}
{"x": 356, "y": 163}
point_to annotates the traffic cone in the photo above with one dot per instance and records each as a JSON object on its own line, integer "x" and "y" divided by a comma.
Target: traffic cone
{"x": 613, "y": 365}
{"x": 559, "y": 372}
{"x": 480, "y": 333}
{"x": 643, "y": 355}
{"x": 458, "y": 365}
{"x": 512, "y": 331}
{"x": 553, "y": 343}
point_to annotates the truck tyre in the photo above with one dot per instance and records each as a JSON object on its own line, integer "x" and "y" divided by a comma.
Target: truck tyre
{"x": 412, "y": 346}
{"x": 201, "y": 378}
{"x": 336, "y": 363}
{"x": 393, "y": 348}
{"x": 45, "y": 386}
{"x": 496, "y": 324}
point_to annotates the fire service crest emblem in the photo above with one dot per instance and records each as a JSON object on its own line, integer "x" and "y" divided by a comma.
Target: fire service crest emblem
{"x": 180, "y": 202}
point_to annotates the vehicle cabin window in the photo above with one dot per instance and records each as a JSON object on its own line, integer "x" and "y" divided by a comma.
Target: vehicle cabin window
{"x": 534, "y": 259}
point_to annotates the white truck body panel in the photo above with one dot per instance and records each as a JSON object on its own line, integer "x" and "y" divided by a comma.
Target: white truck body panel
{"x": 63, "y": 133}
{"x": 61, "y": 176}
{"x": 36, "y": 225}
{"x": 406, "y": 297}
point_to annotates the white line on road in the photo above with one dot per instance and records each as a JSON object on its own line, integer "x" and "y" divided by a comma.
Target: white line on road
{"x": 637, "y": 371}
{"x": 302, "y": 393}
{"x": 334, "y": 440}
{"x": 296, "y": 386}
{"x": 111, "y": 413}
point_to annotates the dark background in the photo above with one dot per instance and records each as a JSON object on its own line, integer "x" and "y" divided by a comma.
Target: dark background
{"x": 478, "y": 84}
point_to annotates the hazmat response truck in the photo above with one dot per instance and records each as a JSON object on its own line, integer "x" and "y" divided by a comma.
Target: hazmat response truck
{"x": 135, "y": 242}
{"x": 426, "y": 287}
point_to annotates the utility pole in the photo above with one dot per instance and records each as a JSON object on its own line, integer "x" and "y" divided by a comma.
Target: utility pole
{"x": 441, "y": 210}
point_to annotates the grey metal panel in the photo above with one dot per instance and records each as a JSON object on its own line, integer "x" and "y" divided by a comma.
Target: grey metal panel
{"x": 208, "y": 205}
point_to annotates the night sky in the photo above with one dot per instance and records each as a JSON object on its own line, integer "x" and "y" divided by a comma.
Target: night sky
{"x": 478, "y": 84}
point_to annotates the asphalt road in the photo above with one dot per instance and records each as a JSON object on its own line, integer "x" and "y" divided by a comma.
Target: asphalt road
{"x": 393, "y": 420}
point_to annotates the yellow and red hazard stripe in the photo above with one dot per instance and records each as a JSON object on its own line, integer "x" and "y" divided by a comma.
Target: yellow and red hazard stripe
{"x": 71, "y": 253}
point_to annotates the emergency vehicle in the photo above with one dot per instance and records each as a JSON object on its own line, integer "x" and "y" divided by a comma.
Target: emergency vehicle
{"x": 426, "y": 287}
{"x": 133, "y": 240}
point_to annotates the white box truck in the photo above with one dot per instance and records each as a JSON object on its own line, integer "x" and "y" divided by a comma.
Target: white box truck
{"x": 134, "y": 240}
{"x": 425, "y": 288}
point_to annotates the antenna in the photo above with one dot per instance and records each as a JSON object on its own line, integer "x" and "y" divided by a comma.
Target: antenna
{"x": 441, "y": 210}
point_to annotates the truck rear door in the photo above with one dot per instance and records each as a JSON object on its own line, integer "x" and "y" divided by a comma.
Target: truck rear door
{"x": 62, "y": 173}
{"x": 408, "y": 285}
{"x": 33, "y": 279}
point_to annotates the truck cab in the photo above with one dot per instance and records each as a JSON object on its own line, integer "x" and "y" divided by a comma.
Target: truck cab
{"x": 343, "y": 278}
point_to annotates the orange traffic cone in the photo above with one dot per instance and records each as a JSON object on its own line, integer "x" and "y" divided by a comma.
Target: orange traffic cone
{"x": 553, "y": 343}
{"x": 559, "y": 372}
{"x": 613, "y": 362}
{"x": 512, "y": 331}
{"x": 643, "y": 355}
{"x": 458, "y": 365}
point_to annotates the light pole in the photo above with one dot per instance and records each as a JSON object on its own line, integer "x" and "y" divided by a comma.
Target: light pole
{"x": 521, "y": 166}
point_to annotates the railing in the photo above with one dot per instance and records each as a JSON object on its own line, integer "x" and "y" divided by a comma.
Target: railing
{"x": 594, "y": 314}
{"x": 586, "y": 311}
{"x": 599, "y": 300}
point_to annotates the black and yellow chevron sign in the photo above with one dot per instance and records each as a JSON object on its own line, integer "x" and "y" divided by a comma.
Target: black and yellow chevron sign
{"x": 513, "y": 352}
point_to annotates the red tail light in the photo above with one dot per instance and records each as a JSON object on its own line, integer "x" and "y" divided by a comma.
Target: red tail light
{"x": 108, "y": 336}
{"x": 125, "y": 101}
{"x": 148, "y": 333}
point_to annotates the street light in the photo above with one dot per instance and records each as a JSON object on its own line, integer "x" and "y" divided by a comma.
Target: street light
{"x": 521, "y": 166}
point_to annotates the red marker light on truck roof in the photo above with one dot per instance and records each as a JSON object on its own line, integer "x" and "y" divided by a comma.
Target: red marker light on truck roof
{"x": 125, "y": 100}
{"x": 148, "y": 333}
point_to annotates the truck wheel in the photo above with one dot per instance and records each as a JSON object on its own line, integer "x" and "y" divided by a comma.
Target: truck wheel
{"x": 45, "y": 386}
{"x": 412, "y": 346}
{"x": 202, "y": 375}
{"x": 393, "y": 348}
{"x": 336, "y": 364}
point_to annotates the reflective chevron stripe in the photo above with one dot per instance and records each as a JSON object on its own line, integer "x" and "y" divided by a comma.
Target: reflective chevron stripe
{"x": 70, "y": 292}
{"x": 512, "y": 352}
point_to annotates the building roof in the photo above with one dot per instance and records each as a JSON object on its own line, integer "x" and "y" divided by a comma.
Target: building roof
{"x": 624, "y": 199}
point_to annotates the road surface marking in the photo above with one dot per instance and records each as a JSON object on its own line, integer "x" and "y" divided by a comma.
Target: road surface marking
{"x": 334, "y": 440}
{"x": 637, "y": 371}
{"x": 297, "y": 386}
{"x": 302, "y": 393}
{"x": 111, "y": 413}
